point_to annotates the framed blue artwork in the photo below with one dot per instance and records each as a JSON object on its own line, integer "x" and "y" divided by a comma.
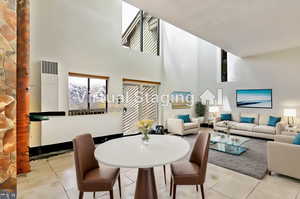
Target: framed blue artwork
{"x": 254, "y": 98}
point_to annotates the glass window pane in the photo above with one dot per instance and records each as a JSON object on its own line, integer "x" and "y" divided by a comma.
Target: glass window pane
{"x": 150, "y": 34}
{"x": 129, "y": 12}
{"x": 149, "y": 106}
{"x": 78, "y": 93}
{"x": 98, "y": 94}
{"x": 131, "y": 26}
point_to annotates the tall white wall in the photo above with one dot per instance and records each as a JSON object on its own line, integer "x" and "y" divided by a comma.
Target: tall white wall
{"x": 84, "y": 37}
{"x": 278, "y": 71}
{"x": 192, "y": 64}
{"x": 189, "y": 64}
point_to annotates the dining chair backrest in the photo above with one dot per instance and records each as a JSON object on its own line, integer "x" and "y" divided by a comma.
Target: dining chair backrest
{"x": 84, "y": 157}
{"x": 199, "y": 153}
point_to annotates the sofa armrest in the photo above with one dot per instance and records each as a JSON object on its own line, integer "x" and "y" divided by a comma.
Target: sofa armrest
{"x": 280, "y": 127}
{"x": 216, "y": 120}
{"x": 284, "y": 139}
{"x": 197, "y": 120}
{"x": 284, "y": 158}
{"x": 175, "y": 125}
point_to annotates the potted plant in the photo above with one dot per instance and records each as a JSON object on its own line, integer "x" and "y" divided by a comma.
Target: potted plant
{"x": 200, "y": 110}
{"x": 145, "y": 126}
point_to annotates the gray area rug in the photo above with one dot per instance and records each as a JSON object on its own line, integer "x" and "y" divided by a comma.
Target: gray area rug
{"x": 252, "y": 163}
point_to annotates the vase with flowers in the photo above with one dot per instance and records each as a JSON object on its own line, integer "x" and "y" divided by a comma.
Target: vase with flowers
{"x": 227, "y": 127}
{"x": 145, "y": 126}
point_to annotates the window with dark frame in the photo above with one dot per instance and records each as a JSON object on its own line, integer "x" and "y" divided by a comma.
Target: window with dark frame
{"x": 141, "y": 32}
{"x": 224, "y": 66}
{"x": 87, "y": 94}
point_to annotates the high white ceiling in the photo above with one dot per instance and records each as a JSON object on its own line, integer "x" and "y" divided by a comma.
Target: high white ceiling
{"x": 242, "y": 27}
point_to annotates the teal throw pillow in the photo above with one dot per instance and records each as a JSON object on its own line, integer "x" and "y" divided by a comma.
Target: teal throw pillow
{"x": 297, "y": 139}
{"x": 273, "y": 121}
{"x": 226, "y": 117}
{"x": 247, "y": 120}
{"x": 185, "y": 118}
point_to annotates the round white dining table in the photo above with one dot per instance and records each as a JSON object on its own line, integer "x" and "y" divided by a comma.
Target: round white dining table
{"x": 131, "y": 152}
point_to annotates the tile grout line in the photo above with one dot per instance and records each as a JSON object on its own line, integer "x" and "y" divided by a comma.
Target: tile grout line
{"x": 221, "y": 193}
{"x": 297, "y": 195}
{"x": 253, "y": 189}
{"x": 66, "y": 193}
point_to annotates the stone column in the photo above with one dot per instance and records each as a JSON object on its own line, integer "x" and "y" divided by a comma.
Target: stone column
{"x": 8, "y": 34}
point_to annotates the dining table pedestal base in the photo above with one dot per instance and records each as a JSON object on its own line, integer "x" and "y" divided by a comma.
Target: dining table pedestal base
{"x": 145, "y": 185}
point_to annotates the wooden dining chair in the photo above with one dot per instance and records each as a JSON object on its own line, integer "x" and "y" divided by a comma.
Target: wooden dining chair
{"x": 192, "y": 172}
{"x": 90, "y": 176}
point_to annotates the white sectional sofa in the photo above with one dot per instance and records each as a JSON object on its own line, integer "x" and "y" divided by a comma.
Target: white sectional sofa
{"x": 283, "y": 156}
{"x": 178, "y": 127}
{"x": 259, "y": 128}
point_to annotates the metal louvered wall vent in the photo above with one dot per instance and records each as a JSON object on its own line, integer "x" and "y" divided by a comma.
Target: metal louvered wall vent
{"x": 49, "y": 67}
{"x": 49, "y": 86}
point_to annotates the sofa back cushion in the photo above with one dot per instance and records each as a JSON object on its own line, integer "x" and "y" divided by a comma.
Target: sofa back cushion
{"x": 185, "y": 118}
{"x": 263, "y": 119}
{"x": 250, "y": 115}
{"x": 235, "y": 116}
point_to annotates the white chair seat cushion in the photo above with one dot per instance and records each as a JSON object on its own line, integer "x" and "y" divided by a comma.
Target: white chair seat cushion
{"x": 187, "y": 126}
{"x": 243, "y": 126}
{"x": 222, "y": 123}
{"x": 265, "y": 129}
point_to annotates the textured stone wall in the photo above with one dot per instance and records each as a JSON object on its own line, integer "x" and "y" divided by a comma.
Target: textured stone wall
{"x": 8, "y": 22}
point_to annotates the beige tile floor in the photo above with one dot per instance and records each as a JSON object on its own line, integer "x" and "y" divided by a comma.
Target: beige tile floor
{"x": 54, "y": 178}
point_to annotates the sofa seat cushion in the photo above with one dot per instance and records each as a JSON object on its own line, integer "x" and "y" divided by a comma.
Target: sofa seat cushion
{"x": 222, "y": 123}
{"x": 190, "y": 125}
{"x": 265, "y": 129}
{"x": 243, "y": 126}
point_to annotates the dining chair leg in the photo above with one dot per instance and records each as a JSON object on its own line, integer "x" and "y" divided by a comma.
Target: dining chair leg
{"x": 165, "y": 174}
{"x": 197, "y": 188}
{"x": 94, "y": 195}
{"x": 119, "y": 182}
{"x": 80, "y": 195}
{"x": 111, "y": 193}
{"x": 202, "y": 191}
{"x": 171, "y": 185}
{"x": 174, "y": 191}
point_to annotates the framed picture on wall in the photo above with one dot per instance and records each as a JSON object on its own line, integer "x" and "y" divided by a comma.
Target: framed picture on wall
{"x": 254, "y": 98}
{"x": 181, "y": 99}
